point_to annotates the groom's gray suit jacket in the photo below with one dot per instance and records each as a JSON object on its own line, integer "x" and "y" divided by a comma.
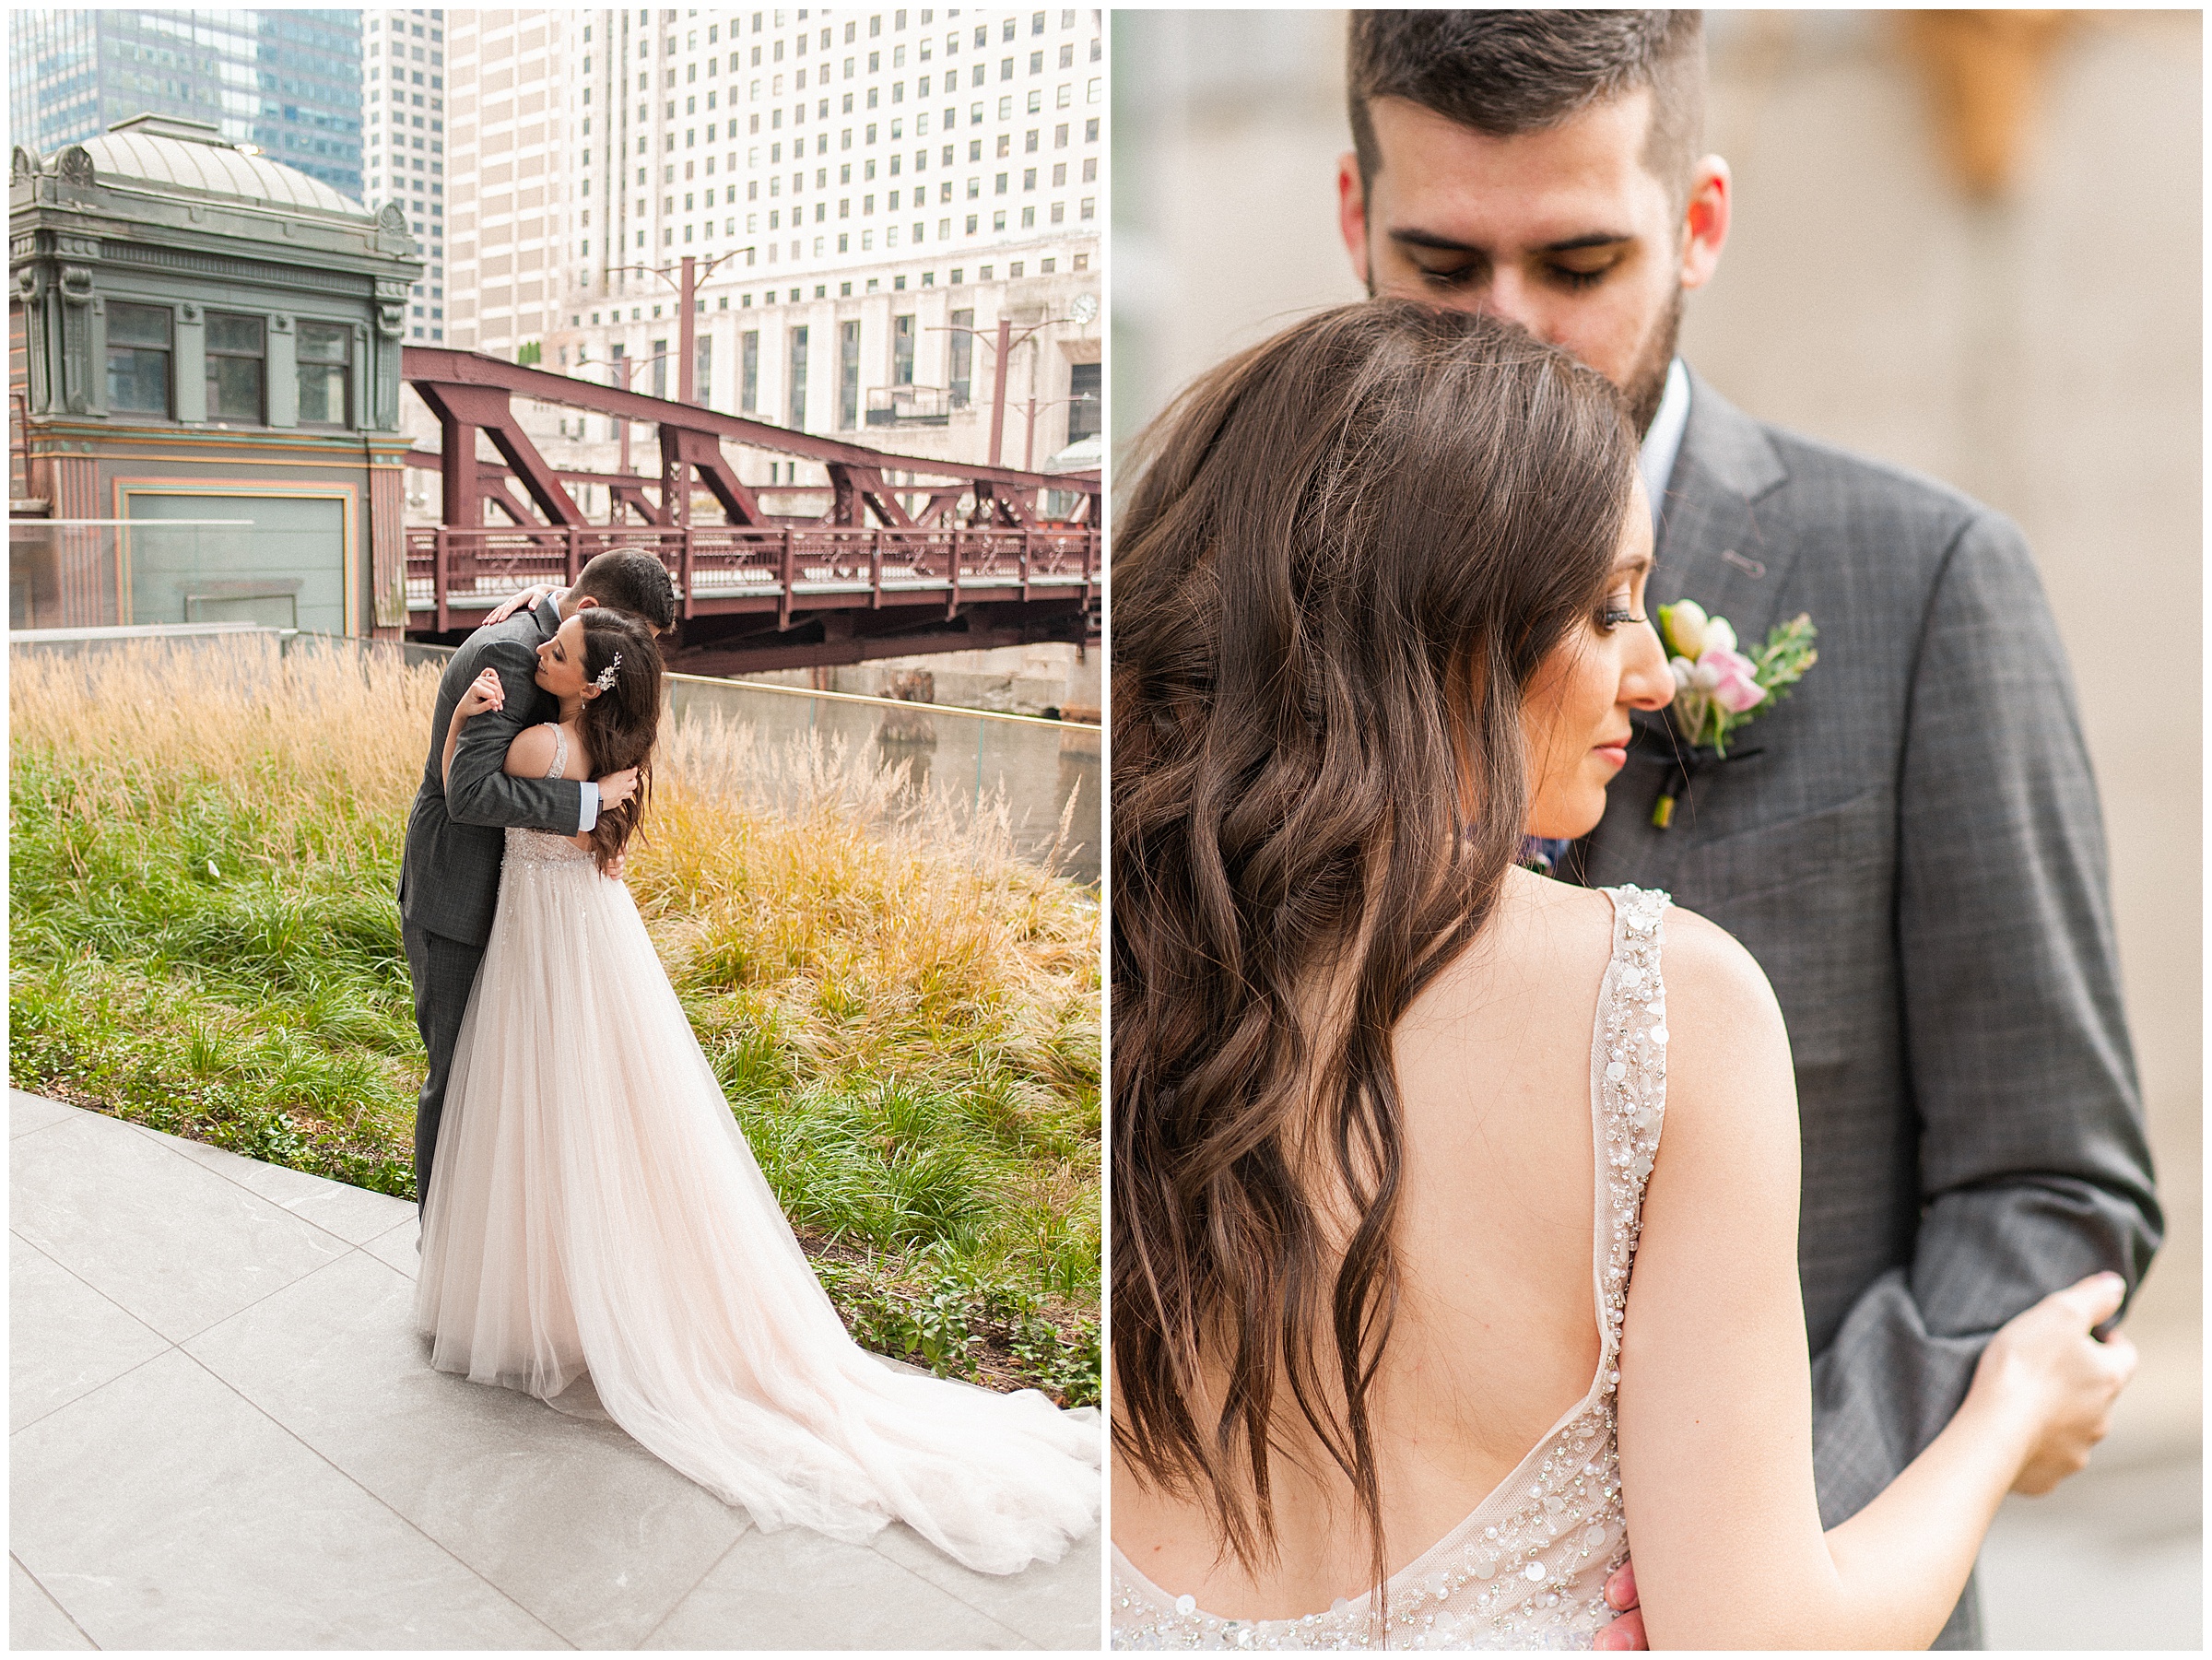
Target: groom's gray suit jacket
{"x": 1917, "y": 861}
{"x": 449, "y": 883}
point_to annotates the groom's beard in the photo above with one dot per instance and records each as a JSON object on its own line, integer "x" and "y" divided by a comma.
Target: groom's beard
{"x": 1647, "y": 380}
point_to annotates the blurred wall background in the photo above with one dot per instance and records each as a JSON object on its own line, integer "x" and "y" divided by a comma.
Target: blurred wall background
{"x": 1969, "y": 245}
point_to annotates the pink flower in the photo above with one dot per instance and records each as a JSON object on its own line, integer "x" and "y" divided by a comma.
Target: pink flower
{"x": 1726, "y": 677}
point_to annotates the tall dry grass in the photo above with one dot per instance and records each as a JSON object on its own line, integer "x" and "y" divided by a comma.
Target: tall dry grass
{"x": 904, "y": 1016}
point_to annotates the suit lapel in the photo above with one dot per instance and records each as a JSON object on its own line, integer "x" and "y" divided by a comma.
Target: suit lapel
{"x": 1722, "y": 543}
{"x": 1714, "y": 547}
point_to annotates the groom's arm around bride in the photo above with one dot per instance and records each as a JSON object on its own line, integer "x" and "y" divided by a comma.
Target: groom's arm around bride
{"x": 458, "y": 829}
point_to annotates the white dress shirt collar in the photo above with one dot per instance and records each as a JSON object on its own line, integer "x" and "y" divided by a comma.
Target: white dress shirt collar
{"x": 1663, "y": 438}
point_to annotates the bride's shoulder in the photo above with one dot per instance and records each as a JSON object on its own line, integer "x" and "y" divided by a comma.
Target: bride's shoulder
{"x": 531, "y": 753}
{"x": 1727, "y": 1046}
{"x": 1700, "y": 960}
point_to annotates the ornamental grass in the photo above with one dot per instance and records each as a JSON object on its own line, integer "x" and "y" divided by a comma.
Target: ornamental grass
{"x": 905, "y": 1018}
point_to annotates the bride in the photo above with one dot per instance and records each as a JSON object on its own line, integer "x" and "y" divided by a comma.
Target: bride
{"x": 1394, "y": 1120}
{"x": 597, "y": 1213}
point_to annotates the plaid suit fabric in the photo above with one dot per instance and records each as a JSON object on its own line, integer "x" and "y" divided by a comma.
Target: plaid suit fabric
{"x": 449, "y": 883}
{"x": 450, "y": 879}
{"x": 1916, "y": 858}
{"x": 443, "y": 971}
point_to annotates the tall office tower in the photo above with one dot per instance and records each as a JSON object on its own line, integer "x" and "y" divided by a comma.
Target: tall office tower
{"x": 865, "y": 194}
{"x": 289, "y": 82}
{"x": 405, "y": 145}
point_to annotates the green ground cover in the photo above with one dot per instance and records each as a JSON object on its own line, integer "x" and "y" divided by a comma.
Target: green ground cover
{"x": 904, "y": 1019}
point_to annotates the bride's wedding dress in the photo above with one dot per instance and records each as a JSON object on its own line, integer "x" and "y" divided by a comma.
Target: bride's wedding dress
{"x": 1528, "y": 1568}
{"x": 596, "y": 1211}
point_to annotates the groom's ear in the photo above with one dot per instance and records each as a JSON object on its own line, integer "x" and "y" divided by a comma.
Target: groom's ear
{"x": 586, "y": 602}
{"x": 1351, "y": 216}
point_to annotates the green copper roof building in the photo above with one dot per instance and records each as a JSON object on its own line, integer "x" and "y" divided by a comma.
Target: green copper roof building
{"x": 199, "y": 332}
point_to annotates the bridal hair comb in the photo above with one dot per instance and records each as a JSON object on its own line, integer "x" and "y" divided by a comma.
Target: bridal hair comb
{"x": 605, "y": 681}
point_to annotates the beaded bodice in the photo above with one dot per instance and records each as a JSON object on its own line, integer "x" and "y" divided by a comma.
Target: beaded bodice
{"x": 1528, "y": 1568}
{"x": 542, "y": 847}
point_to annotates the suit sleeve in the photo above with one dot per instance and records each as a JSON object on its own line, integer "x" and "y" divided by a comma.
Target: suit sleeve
{"x": 2034, "y": 1170}
{"x": 476, "y": 790}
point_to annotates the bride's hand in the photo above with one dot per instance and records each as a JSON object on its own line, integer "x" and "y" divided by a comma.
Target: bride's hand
{"x": 484, "y": 691}
{"x": 2044, "y": 1363}
{"x": 528, "y": 597}
{"x": 617, "y": 788}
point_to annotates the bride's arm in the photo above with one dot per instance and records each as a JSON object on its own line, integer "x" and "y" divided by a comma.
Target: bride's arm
{"x": 1715, "y": 1403}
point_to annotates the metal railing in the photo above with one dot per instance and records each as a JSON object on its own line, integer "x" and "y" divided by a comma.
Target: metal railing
{"x": 909, "y": 406}
{"x": 454, "y": 571}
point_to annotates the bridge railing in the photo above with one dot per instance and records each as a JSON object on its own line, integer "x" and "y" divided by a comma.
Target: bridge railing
{"x": 456, "y": 572}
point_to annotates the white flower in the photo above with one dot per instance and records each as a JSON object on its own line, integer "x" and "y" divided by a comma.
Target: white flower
{"x": 1684, "y": 622}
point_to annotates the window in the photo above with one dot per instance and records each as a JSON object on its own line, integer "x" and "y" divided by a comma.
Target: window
{"x": 1082, "y": 401}
{"x": 660, "y": 368}
{"x": 326, "y": 357}
{"x": 963, "y": 352}
{"x": 237, "y": 354}
{"x": 798, "y": 377}
{"x": 703, "y": 371}
{"x": 749, "y": 377}
{"x": 902, "y": 349}
{"x": 138, "y": 347}
{"x": 848, "y": 376}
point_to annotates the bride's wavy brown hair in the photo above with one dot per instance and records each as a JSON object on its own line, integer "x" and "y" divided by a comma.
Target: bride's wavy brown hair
{"x": 1348, "y": 552}
{"x": 620, "y": 724}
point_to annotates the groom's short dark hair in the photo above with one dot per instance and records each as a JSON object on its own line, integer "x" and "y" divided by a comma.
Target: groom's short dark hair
{"x": 1505, "y": 73}
{"x": 627, "y": 579}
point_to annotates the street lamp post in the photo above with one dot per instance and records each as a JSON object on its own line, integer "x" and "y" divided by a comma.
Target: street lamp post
{"x": 1085, "y": 311}
{"x": 999, "y": 383}
{"x": 1032, "y": 409}
{"x": 687, "y": 283}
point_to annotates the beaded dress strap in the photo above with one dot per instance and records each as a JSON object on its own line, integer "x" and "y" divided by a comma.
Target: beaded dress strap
{"x": 561, "y": 751}
{"x": 1628, "y": 1067}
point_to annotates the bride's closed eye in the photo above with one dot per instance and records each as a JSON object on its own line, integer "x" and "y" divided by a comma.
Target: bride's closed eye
{"x": 1616, "y": 610}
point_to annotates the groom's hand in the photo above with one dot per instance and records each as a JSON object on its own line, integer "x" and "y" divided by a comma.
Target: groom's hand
{"x": 617, "y": 788}
{"x": 1627, "y": 1630}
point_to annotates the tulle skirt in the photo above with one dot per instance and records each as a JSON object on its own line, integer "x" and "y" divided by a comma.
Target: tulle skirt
{"x": 595, "y": 1213}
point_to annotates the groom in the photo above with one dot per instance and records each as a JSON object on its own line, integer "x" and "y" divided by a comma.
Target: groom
{"x": 449, "y": 881}
{"x": 1915, "y": 857}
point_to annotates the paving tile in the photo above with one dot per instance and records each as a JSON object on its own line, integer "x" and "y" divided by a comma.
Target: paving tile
{"x": 164, "y": 1511}
{"x": 34, "y": 1620}
{"x": 1052, "y": 1605}
{"x": 170, "y": 1240}
{"x": 396, "y": 1245}
{"x": 572, "y": 1519}
{"x": 64, "y": 1339}
{"x": 27, "y": 1113}
{"x": 795, "y": 1589}
{"x": 354, "y": 1214}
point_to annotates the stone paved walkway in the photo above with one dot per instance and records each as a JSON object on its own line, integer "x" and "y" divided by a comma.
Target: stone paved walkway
{"x": 223, "y": 1434}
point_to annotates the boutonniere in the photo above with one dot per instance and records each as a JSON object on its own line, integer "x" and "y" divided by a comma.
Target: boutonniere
{"x": 1718, "y": 690}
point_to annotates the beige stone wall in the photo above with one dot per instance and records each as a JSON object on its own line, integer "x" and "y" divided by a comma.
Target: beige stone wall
{"x": 2041, "y": 352}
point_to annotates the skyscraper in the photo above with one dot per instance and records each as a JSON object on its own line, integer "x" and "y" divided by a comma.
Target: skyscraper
{"x": 287, "y": 82}
{"x": 405, "y": 105}
{"x": 865, "y": 194}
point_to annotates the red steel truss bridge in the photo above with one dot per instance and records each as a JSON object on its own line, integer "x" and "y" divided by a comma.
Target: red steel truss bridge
{"x": 910, "y": 555}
